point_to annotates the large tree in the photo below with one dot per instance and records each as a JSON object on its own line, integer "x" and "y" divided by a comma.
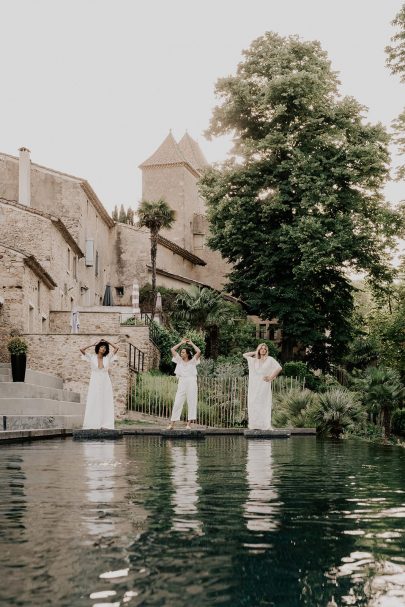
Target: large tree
{"x": 155, "y": 215}
{"x": 299, "y": 205}
{"x": 396, "y": 63}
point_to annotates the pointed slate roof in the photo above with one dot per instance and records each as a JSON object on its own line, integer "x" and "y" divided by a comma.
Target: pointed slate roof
{"x": 187, "y": 152}
{"x": 192, "y": 152}
{"x": 167, "y": 153}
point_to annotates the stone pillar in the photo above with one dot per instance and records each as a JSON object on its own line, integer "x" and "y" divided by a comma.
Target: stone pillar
{"x": 135, "y": 299}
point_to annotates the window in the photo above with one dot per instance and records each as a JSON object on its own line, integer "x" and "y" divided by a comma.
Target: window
{"x": 119, "y": 291}
{"x": 31, "y": 319}
{"x": 39, "y": 295}
{"x": 272, "y": 330}
{"x": 89, "y": 252}
{"x": 96, "y": 266}
{"x": 262, "y": 331}
{"x": 75, "y": 267}
{"x": 68, "y": 259}
{"x": 43, "y": 324}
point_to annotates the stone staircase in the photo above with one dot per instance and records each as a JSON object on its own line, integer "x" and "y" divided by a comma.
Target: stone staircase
{"x": 39, "y": 402}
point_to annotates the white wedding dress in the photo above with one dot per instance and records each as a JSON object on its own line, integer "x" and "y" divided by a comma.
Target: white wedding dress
{"x": 100, "y": 402}
{"x": 259, "y": 392}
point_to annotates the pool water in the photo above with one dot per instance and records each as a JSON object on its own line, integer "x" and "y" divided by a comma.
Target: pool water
{"x": 221, "y": 521}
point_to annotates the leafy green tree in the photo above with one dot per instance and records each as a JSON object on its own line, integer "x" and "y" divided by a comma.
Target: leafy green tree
{"x": 301, "y": 202}
{"x": 205, "y": 310}
{"x": 396, "y": 63}
{"x": 156, "y": 216}
{"x": 383, "y": 392}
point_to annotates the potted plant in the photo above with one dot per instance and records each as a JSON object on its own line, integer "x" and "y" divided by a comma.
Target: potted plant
{"x": 18, "y": 350}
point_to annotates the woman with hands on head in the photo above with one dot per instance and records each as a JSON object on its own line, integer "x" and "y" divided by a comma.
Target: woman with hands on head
{"x": 99, "y": 412}
{"x": 262, "y": 370}
{"x": 186, "y": 371}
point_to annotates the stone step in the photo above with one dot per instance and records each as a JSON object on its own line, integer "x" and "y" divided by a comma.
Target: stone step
{"x": 35, "y": 422}
{"x": 33, "y": 377}
{"x": 25, "y": 390}
{"x": 39, "y": 406}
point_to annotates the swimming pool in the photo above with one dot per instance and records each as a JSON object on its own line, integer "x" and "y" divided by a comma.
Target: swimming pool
{"x": 222, "y": 521}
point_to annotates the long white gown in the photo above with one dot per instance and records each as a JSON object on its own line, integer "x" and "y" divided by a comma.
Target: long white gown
{"x": 259, "y": 392}
{"x": 100, "y": 402}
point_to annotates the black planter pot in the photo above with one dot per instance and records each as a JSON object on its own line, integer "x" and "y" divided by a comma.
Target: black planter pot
{"x": 18, "y": 364}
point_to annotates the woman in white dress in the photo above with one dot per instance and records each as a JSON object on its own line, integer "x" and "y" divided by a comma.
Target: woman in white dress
{"x": 99, "y": 412}
{"x": 186, "y": 371}
{"x": 262, "y": 370}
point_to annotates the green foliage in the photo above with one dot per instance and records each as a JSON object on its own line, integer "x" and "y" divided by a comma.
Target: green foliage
{"x": 396, "y": 62}
{"x": 205, "y": 310}
{"x": 17, "y": 345}
{"x": 294, "y": 408}
{"x": 223, "y": 366}
{"x": 295, "y": 369}
{"x": 337, "y": 410}
{"x": 123, "y": 216}
{"x": 396, "y": 50}
{"x": 168, "y": 298}
{"x": 382, "y": 393}
{"x": 303, "y": 202}
{"x": 363, "y": 351}
{"x": 398, "y": 422}
{"x": 155, "y": 215}
{"x": 166, "y": 339}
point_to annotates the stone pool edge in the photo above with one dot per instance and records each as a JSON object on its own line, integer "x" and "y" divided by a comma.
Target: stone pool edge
{"x": 8, "y": 436}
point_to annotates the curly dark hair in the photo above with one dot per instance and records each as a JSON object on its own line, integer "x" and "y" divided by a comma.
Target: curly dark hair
{"x": 189, "y": 353}
{"x": 102, "y": 343}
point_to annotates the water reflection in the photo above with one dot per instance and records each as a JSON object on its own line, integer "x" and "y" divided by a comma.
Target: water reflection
{"x": 374, "y": 578}
{"x": 99, "y": 466}
{"x": 262, "y": 506}
{"x": 184, "y": 473}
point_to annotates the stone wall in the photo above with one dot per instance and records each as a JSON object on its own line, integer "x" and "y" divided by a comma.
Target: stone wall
{"x": 26, "y": 297}
{"x": 90, "y": 322}
{"x": 60, "y": 355}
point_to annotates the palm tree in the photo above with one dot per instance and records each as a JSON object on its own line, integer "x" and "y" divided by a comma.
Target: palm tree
{"x": 205, "y": 310}
{"x": 155, "y": 215}
{"x": 337, "y": 410}
{"x": 384, "y": 393}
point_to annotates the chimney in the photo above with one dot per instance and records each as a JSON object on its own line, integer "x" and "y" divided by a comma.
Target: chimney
{"x": 24, "y": 177}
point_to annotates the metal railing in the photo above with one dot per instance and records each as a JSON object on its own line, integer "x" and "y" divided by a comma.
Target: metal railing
{"x": 136, "y": 359}
{"x": 222, "y": 401}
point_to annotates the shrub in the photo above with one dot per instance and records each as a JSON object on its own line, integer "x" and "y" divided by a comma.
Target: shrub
{"x": 294, "y": 408}
{"x": 17, "y": 345}
{"x": 398, "y": 422}
{"x": 295, "y": 369}
{"x": 337, "y": 410}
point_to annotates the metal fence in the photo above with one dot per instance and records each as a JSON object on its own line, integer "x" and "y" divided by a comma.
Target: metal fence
{"x": 222, "y": 401}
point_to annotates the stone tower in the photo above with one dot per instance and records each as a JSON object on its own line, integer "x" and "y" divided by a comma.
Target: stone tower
{"x": 172, "y": 173}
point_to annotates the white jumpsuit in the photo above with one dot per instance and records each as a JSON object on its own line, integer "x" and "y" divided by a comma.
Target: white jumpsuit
{"x": 259, "y": 392}
{"x": 187, "y": 388}
{"x": 100, "y": 402}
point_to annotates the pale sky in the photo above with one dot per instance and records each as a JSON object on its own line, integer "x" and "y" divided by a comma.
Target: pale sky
{"x": 92, "y": 87}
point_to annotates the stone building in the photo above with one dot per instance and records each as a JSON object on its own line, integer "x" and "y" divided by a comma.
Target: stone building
{"x": 60, "y": 249}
